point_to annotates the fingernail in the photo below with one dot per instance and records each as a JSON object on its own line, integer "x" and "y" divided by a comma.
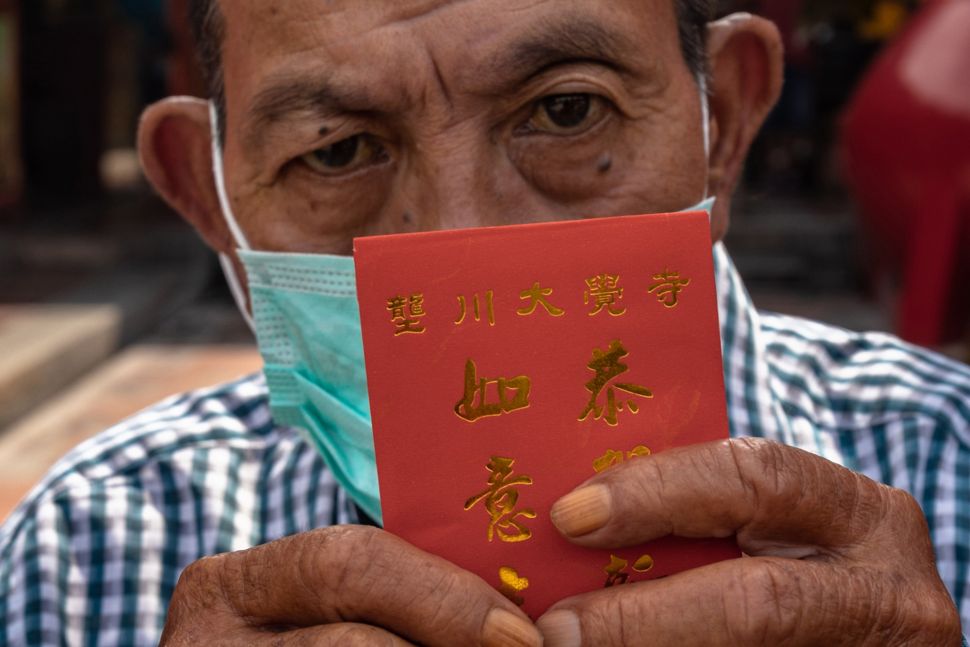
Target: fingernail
{"x": 560, "y": 629}
{"x": 505, "y": 628}
{"x": 582, "y": 511}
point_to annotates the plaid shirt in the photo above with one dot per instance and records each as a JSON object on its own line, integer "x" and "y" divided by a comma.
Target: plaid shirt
{"x": 92, "y": 555}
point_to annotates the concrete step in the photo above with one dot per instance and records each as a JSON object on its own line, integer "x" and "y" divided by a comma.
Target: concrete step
{"x": 58, "y": 335}
{"x": 46, "y": 347}
{"x": 134, "y": 379}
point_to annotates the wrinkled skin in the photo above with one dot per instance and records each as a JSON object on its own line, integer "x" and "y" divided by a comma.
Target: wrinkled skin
{"x": 349, "y": 118}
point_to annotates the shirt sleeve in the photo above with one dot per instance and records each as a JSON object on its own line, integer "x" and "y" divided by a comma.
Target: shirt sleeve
{"x": 36, "y": 568}
{"x": 84, "y": 566}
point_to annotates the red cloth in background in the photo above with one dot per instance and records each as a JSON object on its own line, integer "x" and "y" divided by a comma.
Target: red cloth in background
{"x": 786, "y": 14}
{"x": 906, "y": 142}
{"x": 184, "y": 76}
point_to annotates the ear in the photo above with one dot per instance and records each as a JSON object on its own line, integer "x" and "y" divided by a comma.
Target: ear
{"x": 175, "y": 146}
{"x": 746, "y": 57}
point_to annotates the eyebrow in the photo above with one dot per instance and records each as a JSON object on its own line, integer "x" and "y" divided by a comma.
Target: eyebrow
{"x": 568, "y": 40}
{"x": 551, "y": 43}
{"x": 291, "y": 93}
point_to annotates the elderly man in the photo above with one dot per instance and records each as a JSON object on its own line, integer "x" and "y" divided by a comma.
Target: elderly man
{"x": 341, "y": 118}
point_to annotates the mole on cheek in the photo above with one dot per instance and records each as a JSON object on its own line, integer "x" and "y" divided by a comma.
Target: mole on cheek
{"x": 605, "y": 163}
{"x": 407, "y": 218}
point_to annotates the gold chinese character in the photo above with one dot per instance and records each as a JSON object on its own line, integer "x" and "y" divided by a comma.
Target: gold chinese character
{"x": 500, "y": 498}
{"x": 607, "y": 366}
{"x": 476, "y": 309}
{"x": 617, "y": 574}
{"x": 604, "y": 292}
{"x": 613, "y": 458}
{"x": 607, "y": 460}
{"x": 644, "y": 564}
{"x": 416, "y": 303}
{"x": 512, "y": 395}
{"x": 512, "y": 584}
{"x": 639, "y": 450}
{"x": 397, "y": 306}
{"x": 668, "y": 287}
{"x": 538, "y": 296}
{"x": 405, "y": 312}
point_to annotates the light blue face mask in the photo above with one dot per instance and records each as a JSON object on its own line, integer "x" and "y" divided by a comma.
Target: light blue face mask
{"x": 307, "y": 325}
{"x": 308, "y": 328}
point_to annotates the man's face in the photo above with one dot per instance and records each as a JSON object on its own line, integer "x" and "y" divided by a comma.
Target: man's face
{"x": 349, "y": 118}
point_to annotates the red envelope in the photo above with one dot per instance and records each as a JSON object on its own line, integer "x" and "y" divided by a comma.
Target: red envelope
{"x": 507, "y": 365}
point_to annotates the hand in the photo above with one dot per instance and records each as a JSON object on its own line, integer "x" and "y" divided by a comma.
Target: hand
{"x": 835, "y": 558}
{"x": 346, "y": 585}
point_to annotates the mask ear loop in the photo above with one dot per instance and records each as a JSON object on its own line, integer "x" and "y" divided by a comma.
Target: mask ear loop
{"x": 235, "y": 287}
{"x": 707, "y": 203}
{"x": 705, "y": 113}
{"x": 705, "y": 119}
{"x": 228, "y": 269}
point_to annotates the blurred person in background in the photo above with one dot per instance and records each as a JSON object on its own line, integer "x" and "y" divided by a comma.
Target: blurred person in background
{"x": 846, "y": 479}
{"x": 906, "y": 141}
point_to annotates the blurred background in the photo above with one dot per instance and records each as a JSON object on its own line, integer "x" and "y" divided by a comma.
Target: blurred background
{"x": 855, "y": 206}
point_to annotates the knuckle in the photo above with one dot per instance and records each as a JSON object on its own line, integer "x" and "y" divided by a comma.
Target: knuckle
{"x": 766, "y": 470}
{"x": 903, "y": 506}
{"x": 883, "y": 606}
{"x": 862, "y": 605}
{"x": 764, "y": 605}
{"x": 443, "y": 595}
{"x": 196, "y": 583}
{"x": 332, "y": 560}
{"x": 345, "y": 537}
{"x": 353, "y": 571}
{"x": 920, "y": 615}
{"x": 193, "y": 604}
{"x": 342, "y": 548}
{"x": 356, "y": 569}
{"x": 766, "y": 459}
{"x": 644, "y": 485}
{"x": 903, "y": 528}
{"x": 878, "y": 615}
{"x": 630, "y": 629}
{"x": 198, "y": 573}
{"x": 426, "y": 586}
{"x": 940, "y": 619}
{"x": 612, "y": 618}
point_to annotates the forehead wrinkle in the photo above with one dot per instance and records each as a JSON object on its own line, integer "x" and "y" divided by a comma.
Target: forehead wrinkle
{"x": 418, "y": 11}
{"x": 576, "y": 38}
{"x": 320, "y": 94}
{"x": 377, "y": 14}
{"x": 421, "y": 10}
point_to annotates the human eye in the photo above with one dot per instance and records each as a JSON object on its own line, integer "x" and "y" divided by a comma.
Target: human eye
{"x": 565, "y": 114}
{"x": 346, "y": 156}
